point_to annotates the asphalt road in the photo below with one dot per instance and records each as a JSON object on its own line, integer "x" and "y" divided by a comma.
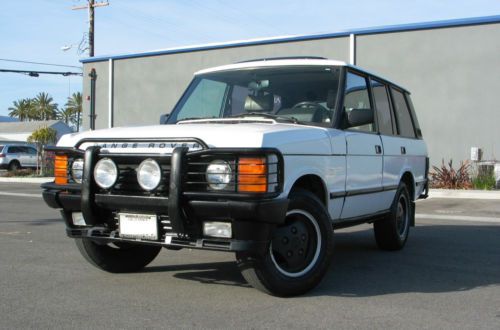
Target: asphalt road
{"x": 448, "y": 276}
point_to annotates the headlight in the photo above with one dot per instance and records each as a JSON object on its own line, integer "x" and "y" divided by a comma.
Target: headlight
{"x": 218, "y": 174}
{"x": 105, "y": 173}
{"x": 149, "y": 174}
{"x": 77, "y": 170}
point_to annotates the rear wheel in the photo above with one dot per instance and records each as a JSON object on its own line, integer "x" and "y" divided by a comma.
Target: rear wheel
{"x": 299, "y": 253}
{"x": 119, "y": 257}
{"x": 392, "y": 232}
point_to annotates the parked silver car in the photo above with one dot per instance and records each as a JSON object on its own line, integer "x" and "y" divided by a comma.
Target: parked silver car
{"x": 16, "y": 156}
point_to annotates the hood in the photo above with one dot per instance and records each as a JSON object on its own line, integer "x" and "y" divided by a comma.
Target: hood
{"x": 288, "y": 138}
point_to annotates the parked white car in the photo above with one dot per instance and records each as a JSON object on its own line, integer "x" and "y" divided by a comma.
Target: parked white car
{"x": 263, "y": 158}
{"x": 16, "y": 156}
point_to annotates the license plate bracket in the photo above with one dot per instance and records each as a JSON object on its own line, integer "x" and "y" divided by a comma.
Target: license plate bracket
{"x": 138, "y": 226}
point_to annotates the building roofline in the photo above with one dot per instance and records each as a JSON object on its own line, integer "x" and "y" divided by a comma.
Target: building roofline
{"x": 274, "y": 40}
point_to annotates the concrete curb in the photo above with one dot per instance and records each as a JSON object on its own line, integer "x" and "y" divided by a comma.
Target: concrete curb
{"x": 27, "y": 180}
{"x": 464, "y": 194}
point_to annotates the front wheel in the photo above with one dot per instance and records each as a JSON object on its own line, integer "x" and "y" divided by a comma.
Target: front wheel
{"x": 299, "y": 253}
{"x": 119, "y": 257}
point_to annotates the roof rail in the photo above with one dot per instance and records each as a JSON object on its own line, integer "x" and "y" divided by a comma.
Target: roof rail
{"x": 285, "y": 58}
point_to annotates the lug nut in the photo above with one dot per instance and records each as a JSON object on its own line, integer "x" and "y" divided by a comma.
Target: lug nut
{"x": 301, "y": 252}
{"x": 289, "y": 254}
{"x": 294, "y": 230}
{"x": 303, "y": 237}
{"x": 285, "y": 240}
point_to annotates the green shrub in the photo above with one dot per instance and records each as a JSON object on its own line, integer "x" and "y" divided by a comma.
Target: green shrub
{"x": 484, "y": 182}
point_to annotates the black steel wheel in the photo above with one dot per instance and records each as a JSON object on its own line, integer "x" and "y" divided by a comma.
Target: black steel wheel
{"x": 391, "y": 233}
{"x": 299, "y": 252}
{"x": 119, "y": 257}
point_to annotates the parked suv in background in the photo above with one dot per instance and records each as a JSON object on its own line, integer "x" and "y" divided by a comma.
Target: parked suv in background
{"x": 263, "y": 158}
{"x": 16, "y": 156}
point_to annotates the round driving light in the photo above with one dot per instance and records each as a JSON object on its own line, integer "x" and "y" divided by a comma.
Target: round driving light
{"x": 105, "y": 173}
{"x": 77, "y": 170}
{"x": 149, "y": 174}
{"x": 218, "y": 174}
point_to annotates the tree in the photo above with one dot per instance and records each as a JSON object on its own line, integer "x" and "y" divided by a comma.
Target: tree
{"x": 22, "y": 109}
{"x": 75, "y": 104}
{"x": 41, "y": 137}
{"x": 67, "y": 115}
{"x": 44, "y": 107}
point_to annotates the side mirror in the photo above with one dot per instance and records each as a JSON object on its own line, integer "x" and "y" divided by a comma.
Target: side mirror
{"x": 163, "y": 118}
{"x": 359, "y": 117}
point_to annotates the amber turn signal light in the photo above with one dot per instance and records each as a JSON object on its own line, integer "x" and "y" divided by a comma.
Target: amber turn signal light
{"x": 252, "y": 174}
{"x": 61, "y": 169}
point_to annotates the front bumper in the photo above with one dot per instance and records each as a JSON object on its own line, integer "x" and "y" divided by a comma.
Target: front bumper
{"x": 252, "y": 220}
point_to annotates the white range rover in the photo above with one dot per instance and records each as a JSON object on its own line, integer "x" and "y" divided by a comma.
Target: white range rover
{"x": 262, "y": 158}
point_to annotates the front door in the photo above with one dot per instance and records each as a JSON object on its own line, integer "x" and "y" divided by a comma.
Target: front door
{"x": 364, "y": 152}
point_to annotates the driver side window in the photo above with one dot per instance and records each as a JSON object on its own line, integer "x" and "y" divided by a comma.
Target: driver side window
{"x": 357, "y": 103}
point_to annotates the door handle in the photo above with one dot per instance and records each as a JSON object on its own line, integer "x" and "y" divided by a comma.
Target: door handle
{"x": 378, "y": 149}
{"x": 403, "y": 151}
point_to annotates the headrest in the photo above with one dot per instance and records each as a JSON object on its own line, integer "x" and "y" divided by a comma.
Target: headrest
{"x": 331, "y": 98}
{"x": 259, "y": 103}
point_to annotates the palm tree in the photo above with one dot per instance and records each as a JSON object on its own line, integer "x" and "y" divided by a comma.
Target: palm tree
{"x": 22, "y": 109}
{"x": 45, "y": 108}
{"x": 65, "y": 114}
{"x": 74, "y": 103}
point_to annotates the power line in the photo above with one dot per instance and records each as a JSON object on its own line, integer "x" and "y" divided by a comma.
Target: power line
{"x": 40, "y": 63}
{"x": 34, "y": 73}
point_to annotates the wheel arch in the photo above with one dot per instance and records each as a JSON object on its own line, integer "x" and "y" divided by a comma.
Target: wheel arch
{"x": 313, "y": 183}
{"x": 408, "y": 178}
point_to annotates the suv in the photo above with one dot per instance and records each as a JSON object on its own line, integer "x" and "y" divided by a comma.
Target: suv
{"x": 16, "y": 156}
{"x": 263, "y": 158}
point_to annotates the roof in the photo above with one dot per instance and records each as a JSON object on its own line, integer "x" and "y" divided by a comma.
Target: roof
{"x": 26, "y": 126}
{"x": 263, "y": 63}
{"x": 274, "y": 40}
{"x": 269, "y": 63}
{"x": 4, "y": 119}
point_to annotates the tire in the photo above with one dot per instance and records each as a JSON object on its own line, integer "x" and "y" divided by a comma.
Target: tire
{"x": 391, "y": 233}
{"x": 14, "y": 165}
{"x": 299, "y": 253}
{"x": 119, "y": 258}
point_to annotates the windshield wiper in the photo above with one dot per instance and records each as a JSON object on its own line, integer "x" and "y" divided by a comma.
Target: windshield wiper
{"x": 265, "y": 115}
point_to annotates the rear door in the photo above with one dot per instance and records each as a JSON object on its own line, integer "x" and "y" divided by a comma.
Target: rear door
{"x": 364, "y": 153}
{"x": 406, "y": 151}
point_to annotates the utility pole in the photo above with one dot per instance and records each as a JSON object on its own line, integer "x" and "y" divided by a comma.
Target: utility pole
{"x": 91, "y": 5}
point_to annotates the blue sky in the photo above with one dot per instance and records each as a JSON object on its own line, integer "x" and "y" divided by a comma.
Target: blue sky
{"x": 35, "y": 30}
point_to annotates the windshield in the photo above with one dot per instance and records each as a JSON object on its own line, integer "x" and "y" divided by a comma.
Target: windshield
{"x": 295, "y": 93}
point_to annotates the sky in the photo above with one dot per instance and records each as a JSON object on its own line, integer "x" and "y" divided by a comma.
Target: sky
{"x": 36, "y": 30}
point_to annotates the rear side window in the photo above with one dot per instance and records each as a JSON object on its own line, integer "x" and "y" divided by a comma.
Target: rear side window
{"x": 356, "y": 97}
{"x": 1, "y": 149}
{"x": 414, "y": 116}
{"x": 403, "y": 118}
{"x": 383, "y": 109}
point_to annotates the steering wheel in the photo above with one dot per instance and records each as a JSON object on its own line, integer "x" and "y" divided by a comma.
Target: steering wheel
{"x": 320, "y": 113}
{"x": 309, "y": 104}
